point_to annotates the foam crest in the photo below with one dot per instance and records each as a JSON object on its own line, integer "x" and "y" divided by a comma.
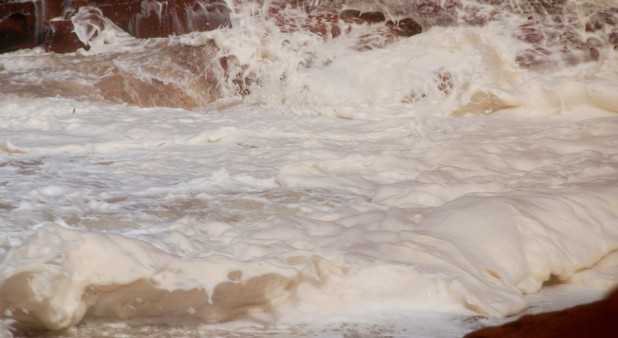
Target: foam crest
{"x": 94, "y": 30}
{"x": 128, "y": 279}
{"x": 475, "y": 253}
{"x": 473, "y": 68}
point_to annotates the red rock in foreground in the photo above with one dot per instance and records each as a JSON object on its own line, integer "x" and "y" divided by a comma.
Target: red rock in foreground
{"x": 598, "y": 320}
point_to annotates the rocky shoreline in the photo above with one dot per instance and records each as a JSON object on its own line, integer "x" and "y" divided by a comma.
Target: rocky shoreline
{"x": 597, "y": 319}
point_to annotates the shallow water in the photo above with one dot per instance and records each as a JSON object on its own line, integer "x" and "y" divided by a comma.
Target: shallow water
{"x": 308, "y": 185}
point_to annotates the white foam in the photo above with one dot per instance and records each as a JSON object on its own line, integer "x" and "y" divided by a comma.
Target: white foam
{"x": 333, "y": 192}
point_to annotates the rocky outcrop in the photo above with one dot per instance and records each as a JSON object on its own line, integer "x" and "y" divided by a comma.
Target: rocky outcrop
{"x": 152, "y": 18}
{"x": 26, "y": 24}
{"x": 21, "y": 25}
{"x": 596, "y": 319}
{"x": 61, "y": 38}
{"x": 555, "y": 34}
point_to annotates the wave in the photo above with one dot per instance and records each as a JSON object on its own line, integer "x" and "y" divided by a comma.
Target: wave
{"x": 464, "y": 57}
{"x": 510, "y": 245}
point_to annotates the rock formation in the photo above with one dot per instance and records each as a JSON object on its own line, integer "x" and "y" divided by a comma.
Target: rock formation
{"x": 21, "y": 25}
{"x": 596, "y": 319}
{"x": 551, "y": 25}
{"x": 30, "y": 23}
{"x": 26, "y": 24}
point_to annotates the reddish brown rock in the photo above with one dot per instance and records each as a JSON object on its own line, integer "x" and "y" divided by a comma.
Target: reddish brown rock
{"x": 555, "y": 26}
{"x": 602, "y": 18}
{"x": 308, "y": 6}
{"x": 324, "y": 25}
{"x": 478, "y": 16}
{"x": 53, "y": 8}
{"x": 613, "y": 38}
{"x": 536, "y": 58}
{"x": 350, "y": 16}
{"x": 598, "y": 319}
{"x": 60, "y": 37}
{"x": 437, "y": 12}
{"x": 531, "y": 32}
{"x": 21, "y": 25}
{"x": 548, "y": 7}
{"x": 150, "y": 18}
{"x": 372, "y": 17}
{"x": 409, "y": 27}
{"x": 406, "y": 27}
{"x": 378, "y": 38}
{"x": 29, "y": 24}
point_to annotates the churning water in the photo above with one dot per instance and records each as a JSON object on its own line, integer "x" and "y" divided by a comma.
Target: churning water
{"x": 298, "y": 175}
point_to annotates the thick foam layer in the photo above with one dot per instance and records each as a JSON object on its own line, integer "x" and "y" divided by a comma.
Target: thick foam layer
{"x": 128, "y": 279}
{"x": 482, "y": 252}
{"x": 470, "y": 212}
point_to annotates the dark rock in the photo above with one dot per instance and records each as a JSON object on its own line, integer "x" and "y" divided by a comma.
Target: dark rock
{"x": 536, "y": 58}
{"x": 324, "y": 25}
{"x": 378, "y": 38}
{"x": 60, "y": 37}
{"x": 593, "y": 26}
{"x": 549, "y": 6}
{"x": 355, "y": 16}
{"x": 531, "y": 32}
{"x": 409, "y": 27}
{"x": 150, "y": 18}
{"x": 53, "y": 8}
{"x": 613, "y": 38}
{"x": 437, "y": 12}
{"x": 372, "y": 17}
{"x": 350, "y": 16}
{"x": 609, "y": 15}
{"x": 28, "y": 24}
{"x": 21, "y": 25}
{"x": 478, "y": 16}
{"x": 596, "y": 319}
{"x": 601, "y": 19}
